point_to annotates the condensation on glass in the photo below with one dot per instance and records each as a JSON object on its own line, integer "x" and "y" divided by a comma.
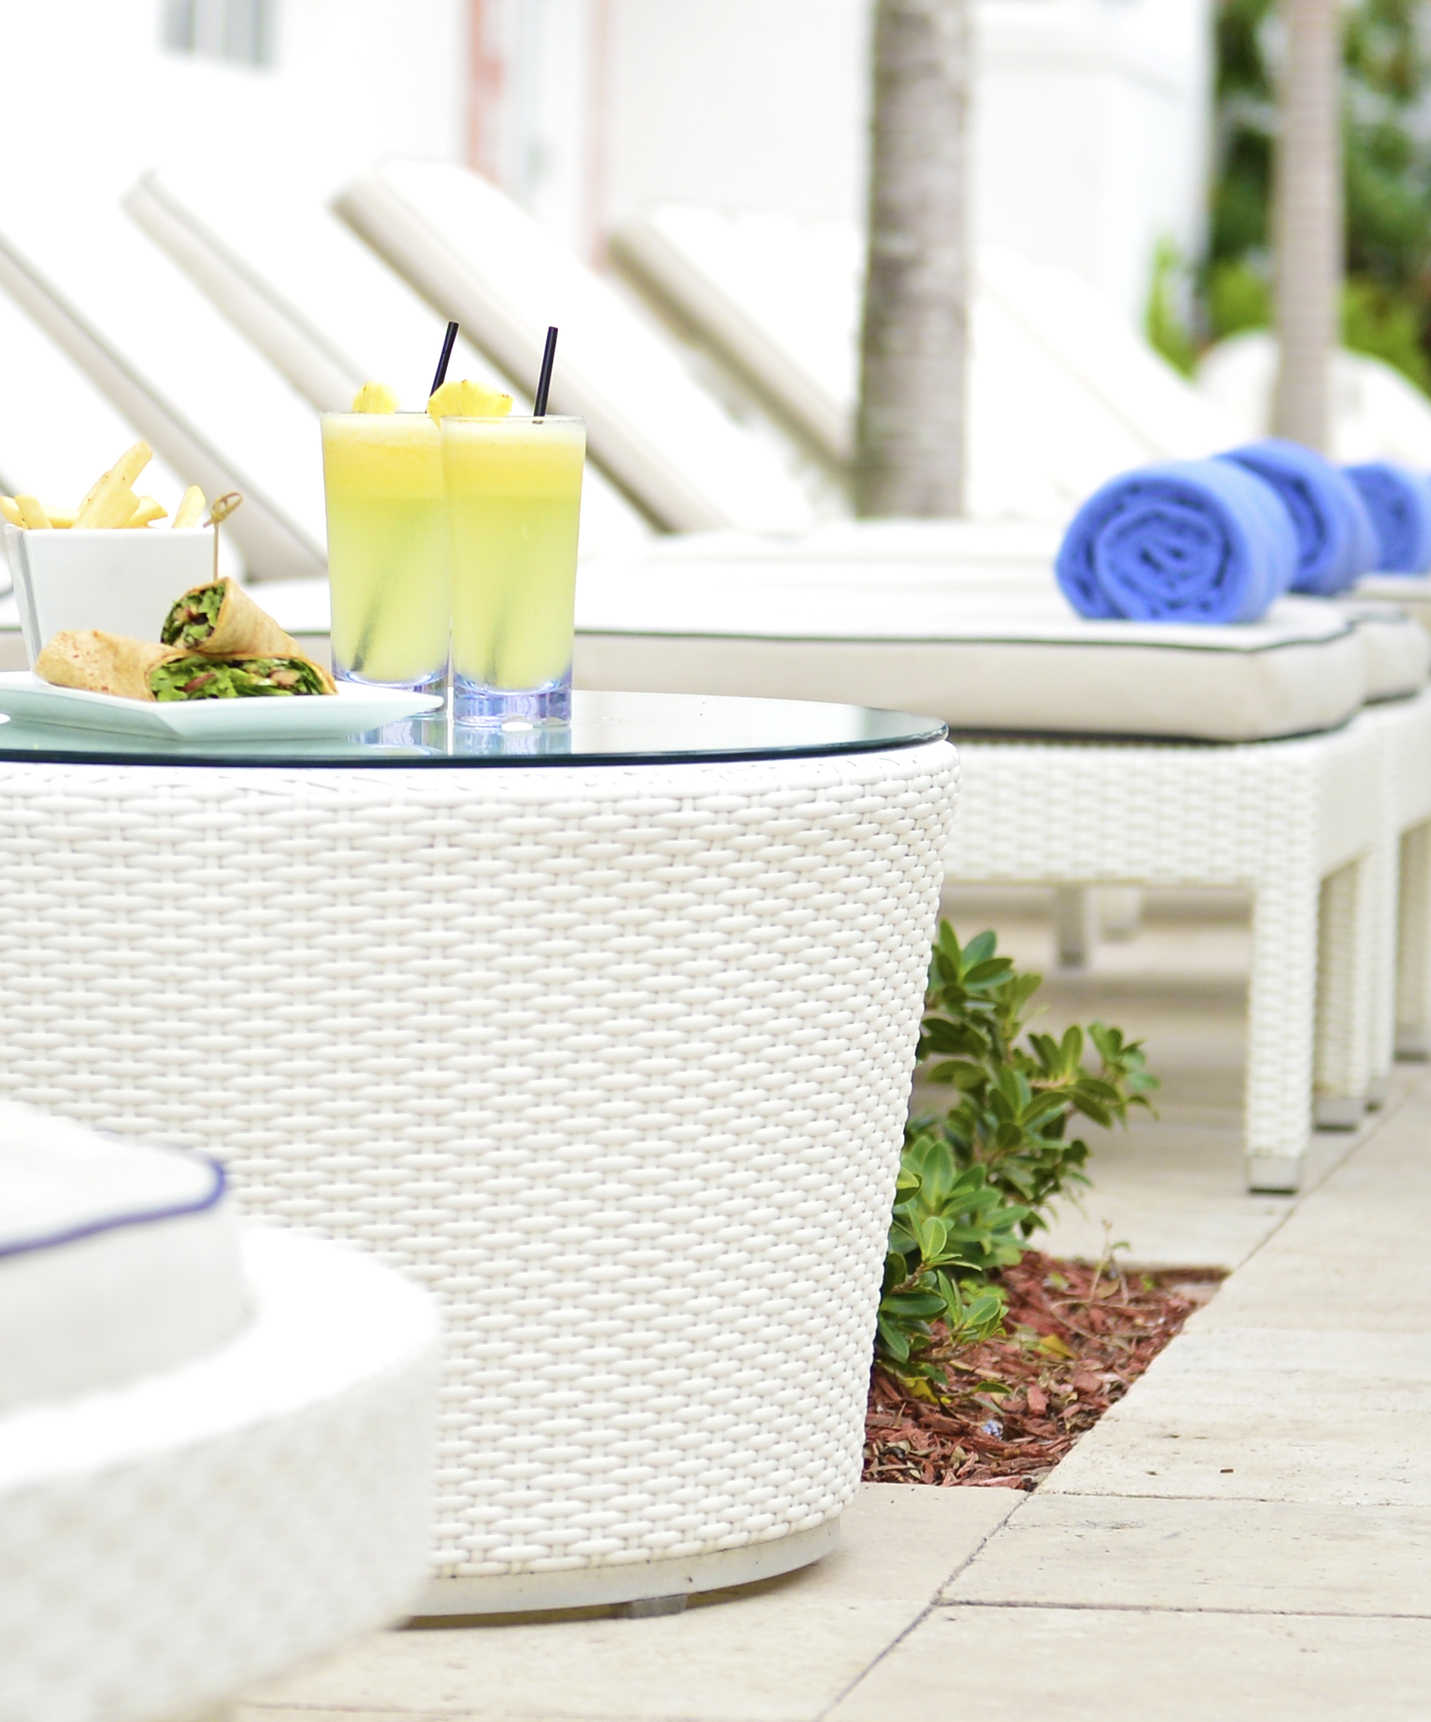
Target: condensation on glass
{"x": 239, "y": 30}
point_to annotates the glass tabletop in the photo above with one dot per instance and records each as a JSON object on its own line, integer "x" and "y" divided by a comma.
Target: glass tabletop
{"x": 605, "y": 729}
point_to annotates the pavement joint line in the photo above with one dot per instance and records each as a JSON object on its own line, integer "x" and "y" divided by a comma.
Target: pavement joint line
{"x": 933, "y": 1605}
{"x": 1185, "y": 1608}
{"x": 1226, "y": 1495}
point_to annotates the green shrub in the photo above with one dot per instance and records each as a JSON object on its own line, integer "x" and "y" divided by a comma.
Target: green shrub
{"x": 978, "y": 1181}
{"x": 1238, "y": 297}
{"x": 1386, "y": 326}
{"x": 1386, "y": 160}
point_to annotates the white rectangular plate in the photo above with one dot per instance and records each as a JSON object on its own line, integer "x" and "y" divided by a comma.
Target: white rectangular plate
{"x": 350, "y": 711}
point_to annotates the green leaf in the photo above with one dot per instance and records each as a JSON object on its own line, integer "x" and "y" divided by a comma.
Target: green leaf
{"x": 978, "y": 1180}
{"x": 979, "y": 948}
{"x": 933, "y": 1234}
{"x": 991, "y": 968}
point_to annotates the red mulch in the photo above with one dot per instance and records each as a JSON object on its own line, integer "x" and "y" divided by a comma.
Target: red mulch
{"x": 1075, "y": 1340}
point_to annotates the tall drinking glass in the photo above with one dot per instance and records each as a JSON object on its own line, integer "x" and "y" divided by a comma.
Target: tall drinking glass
{"x": 513, "y": 502}
{"x": 387, "y": 548}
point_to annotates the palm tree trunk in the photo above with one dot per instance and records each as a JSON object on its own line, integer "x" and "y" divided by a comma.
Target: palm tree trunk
{"x": 910, "y": 434}
{"x": 1307, "y": 221}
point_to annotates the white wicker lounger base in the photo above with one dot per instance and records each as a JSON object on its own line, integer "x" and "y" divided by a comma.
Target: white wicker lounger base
{"x": 592, "y": 1587}
{"x": 1307, "y": 826}
{"x": 169, "y": 1543}
{"x": 615, "y": 1059}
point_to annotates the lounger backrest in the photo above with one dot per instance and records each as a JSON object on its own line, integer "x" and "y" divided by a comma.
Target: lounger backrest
{"x": 777, "y": 299}
{"x": 1377, "y": 413}
{"x": 324, "y": 310}
{"x": 1063, "y": 393}
{"x": 475, "y": 256}
{"x": 171, "y": 366}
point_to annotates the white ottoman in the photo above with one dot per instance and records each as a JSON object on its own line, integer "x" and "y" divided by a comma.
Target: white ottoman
{"x": 244, "y": 1480}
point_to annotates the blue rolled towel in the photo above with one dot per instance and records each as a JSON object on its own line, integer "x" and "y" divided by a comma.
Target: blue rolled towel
{"x": 1336, "y": 541}
{"x": 1185, "y": 541}
{"x": 1399, "y": 503}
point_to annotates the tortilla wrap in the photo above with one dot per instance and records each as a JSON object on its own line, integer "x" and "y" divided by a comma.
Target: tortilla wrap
{"x": 103, "y": 663}
{"x": 239, "y": 629}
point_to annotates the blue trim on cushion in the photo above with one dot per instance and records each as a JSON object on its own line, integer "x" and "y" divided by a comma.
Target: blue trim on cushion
{"x": 117, "y": 1222}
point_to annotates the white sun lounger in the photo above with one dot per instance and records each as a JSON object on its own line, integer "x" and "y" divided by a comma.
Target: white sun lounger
{"x": 1377, "y": 414}
{"x": 216, "y": 412}
{"x": 1111, "y": 754}
{"x": 663, "y": 437}
{"x": 1062, "y": 393}
{"x": 328, "y": 313}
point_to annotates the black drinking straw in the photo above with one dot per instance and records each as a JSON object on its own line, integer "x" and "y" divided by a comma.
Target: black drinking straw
{"x": 449, "y": 340}
{"x": 544, "y": 382}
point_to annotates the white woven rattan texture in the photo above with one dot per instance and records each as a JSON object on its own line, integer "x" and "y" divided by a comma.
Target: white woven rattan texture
{"x": 165, "y": 1545}
{"x": 1275, "y": 817}
{"x": 616, "y": 1060}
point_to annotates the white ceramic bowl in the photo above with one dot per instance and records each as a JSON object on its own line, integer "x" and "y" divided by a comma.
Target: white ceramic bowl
{"x": 122, "y": 581}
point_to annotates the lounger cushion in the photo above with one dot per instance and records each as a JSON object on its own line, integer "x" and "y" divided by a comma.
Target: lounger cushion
{"x": 1408, "y": 592}
{"x": 1010, "y": 659}
{"x": 117, "y": 1258}
{"x": 1397, "y": 647}
{"x": 883, "y": 618}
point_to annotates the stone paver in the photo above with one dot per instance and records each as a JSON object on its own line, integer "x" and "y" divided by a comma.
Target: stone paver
{"x": 1252, "y": 1556}
{"x": 1268, "y": 1415}
{"x": 1097, "y": 1665}
{"x": 781, "y": 1653}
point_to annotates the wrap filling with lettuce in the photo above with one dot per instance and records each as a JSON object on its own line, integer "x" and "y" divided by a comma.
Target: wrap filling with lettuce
{"x": 191, "y": 621}
{"x": 201, "y": 678}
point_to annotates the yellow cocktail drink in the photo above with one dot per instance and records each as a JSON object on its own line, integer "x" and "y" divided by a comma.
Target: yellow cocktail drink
{"x": 387, "y": 547}
{"x": 513, "y": 502}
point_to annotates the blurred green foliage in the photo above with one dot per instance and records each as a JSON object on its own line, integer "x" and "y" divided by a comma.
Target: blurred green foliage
{"x": 1386, "y": 308}
{"x": 1164, "y": 324}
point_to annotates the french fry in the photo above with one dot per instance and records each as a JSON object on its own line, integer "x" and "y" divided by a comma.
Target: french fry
{"x": 10, "y": 511}
{"x": 190, "y": 510}
{"x": 32, "y": 515}
{"x": 94, "y": 489}
{"x": 61, "y": 518}
{"x": 147, "y": 510}
{"x": 112, "y": 500}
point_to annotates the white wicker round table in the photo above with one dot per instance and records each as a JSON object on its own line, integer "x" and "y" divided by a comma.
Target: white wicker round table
{"x": 608, "y": 1044}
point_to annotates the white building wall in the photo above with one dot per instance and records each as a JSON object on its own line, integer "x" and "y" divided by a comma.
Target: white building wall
{"x": 1093, "y": 122}
{"x": 738, "y": 104}
{"x": 1091, "y": 116}
{"x": 91, "y": 94}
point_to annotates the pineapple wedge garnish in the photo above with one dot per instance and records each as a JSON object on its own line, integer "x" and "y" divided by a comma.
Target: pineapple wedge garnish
{"x": 466, "y": 400}
{"x": 375, "y": 398}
